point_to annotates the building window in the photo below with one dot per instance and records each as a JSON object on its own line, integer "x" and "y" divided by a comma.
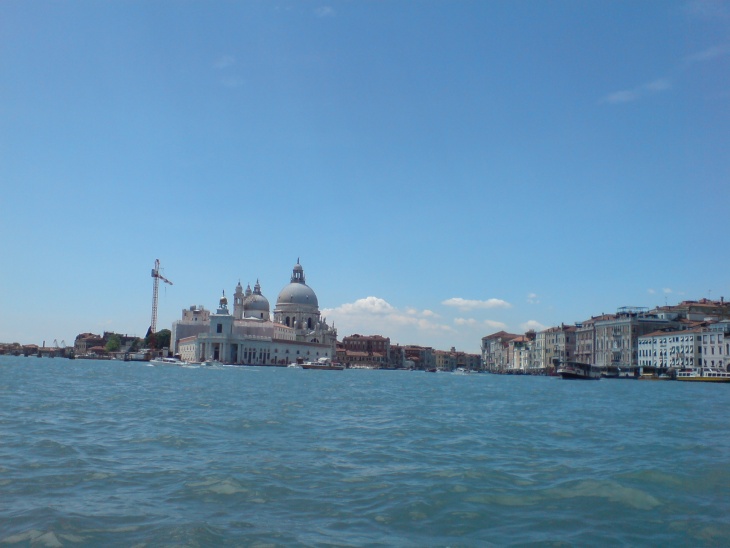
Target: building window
{"x": 219, "y": 328}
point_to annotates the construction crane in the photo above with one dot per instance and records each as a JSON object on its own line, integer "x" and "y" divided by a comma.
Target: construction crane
{"x": 155, "y": 288}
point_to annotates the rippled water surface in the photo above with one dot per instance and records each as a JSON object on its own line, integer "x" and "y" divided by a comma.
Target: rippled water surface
{"x": 99, "y": 453}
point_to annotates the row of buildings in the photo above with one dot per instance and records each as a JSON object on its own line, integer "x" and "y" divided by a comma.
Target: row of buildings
{"x": 377, "y": 352}
{"x": 691, "y": 334}
{"x": 296, "y": 332}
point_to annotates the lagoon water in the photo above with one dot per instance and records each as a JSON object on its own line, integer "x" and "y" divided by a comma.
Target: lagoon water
{"x": 99, "y": 453}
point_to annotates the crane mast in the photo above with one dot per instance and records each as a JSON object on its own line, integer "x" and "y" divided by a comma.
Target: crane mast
{"x": 155, "y": 289}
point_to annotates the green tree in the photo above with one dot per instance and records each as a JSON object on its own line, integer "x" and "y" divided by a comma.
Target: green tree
{"x": 113, "y": 344}
{"x": 161, "y": 339}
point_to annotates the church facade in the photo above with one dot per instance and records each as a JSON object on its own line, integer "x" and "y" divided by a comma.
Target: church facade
{"x": 249, "y": 336}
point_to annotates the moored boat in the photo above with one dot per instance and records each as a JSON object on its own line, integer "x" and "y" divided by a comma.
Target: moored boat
{"x": 702, "y": 375}
{"x": 577, "y": 370}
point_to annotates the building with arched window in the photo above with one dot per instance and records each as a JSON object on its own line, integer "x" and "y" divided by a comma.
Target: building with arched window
{"x": 249, "y": 336}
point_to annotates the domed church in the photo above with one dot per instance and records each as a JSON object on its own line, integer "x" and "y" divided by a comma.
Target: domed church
{"x": 297, "y": 307}
{"x": 248, "y": 336}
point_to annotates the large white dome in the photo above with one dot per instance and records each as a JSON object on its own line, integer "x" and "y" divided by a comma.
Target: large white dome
{"x": 297, "y": 292}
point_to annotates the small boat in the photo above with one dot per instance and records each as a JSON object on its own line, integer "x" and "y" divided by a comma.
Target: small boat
{"x": 323, "y": 363}
{"x": 461, "y": 371}
{"x": 167, "y": 361}
{"x": 662, "y": 377}
{"x": 294, "y": 365}
{"x": 577, "y": 370}
{"x": 705, "y": 374}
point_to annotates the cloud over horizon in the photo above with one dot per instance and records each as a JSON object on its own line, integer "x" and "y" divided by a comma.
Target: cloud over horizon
{"x": 373, "y": 315}
{"x": 470, "y": 304}
{"x": 324, "y": 11}
{"x": 659, "y": 85}
{"x": 532, "y": 325}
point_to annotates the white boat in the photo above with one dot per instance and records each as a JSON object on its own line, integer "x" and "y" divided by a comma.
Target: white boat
{"x": 705, "y": 374}
{"x": 577, "y": 370}
{"x": 323, "y": 363}
{"x": 294, "y": 366}
{"x": 167, "y": 361}
{"x": 461, "y": 371}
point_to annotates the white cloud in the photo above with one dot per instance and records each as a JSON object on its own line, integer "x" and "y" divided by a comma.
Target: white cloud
{"x": 324, "y": 11}
{"x": 533, "y": 325}
{"x": 373, "y": 315}
{"x": 667, "y": 290}
{"x": 629, "y": 95}
{"x": 651, "y": 291}
{"x": 368, "y": 305}
{"x": 468, "y": 304}
{"x": 471, "y": 322}
{"x": 708, "y": 54}
{"x": 495, "y": 325}
{"x": 465, "y": 321}
{"x": 620, "y": 97}
{"x": 662, "y": 84}
{"x": 532, "y": 298}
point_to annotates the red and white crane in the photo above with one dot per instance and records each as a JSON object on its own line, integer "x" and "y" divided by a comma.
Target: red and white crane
{"x": 155, "y": 288}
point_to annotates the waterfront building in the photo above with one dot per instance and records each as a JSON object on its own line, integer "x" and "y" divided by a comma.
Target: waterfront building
{"x": 195, "y": 320}
{"x": 89, "y": 343}
{"x": 559, "y": 345}
{"x": 495, "y": 350}
{"x": 472, "y": 362}
{"x": 396, "y": 356}
{"x": 585, "y": 339}
{"x": 84, "y": 342}
{"x": 445, "y": 360}
{"x": 538, "y": 352}
{"x": 249, "y": 336}
{"x": 519, "y": 354}
{"x": 366, "y": 351}
{"x": 703, "y": 310}
{"x": 616, "y": 338}
{"x": 420, "y": 357}
{"x": 660, "y": 351}
{"x": 715, "y": 346}
{"x": 449, "y": 360}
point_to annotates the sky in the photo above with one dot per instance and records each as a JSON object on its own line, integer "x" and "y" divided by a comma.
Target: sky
{"x": 441, "y": 169}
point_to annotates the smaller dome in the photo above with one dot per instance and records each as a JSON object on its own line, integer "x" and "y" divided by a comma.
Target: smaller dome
{"x": 224, "y": 299}
{"x": 255, "y": 301}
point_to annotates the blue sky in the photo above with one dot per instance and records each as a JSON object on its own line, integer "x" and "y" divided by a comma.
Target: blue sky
{"x": 442, "y": 169}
